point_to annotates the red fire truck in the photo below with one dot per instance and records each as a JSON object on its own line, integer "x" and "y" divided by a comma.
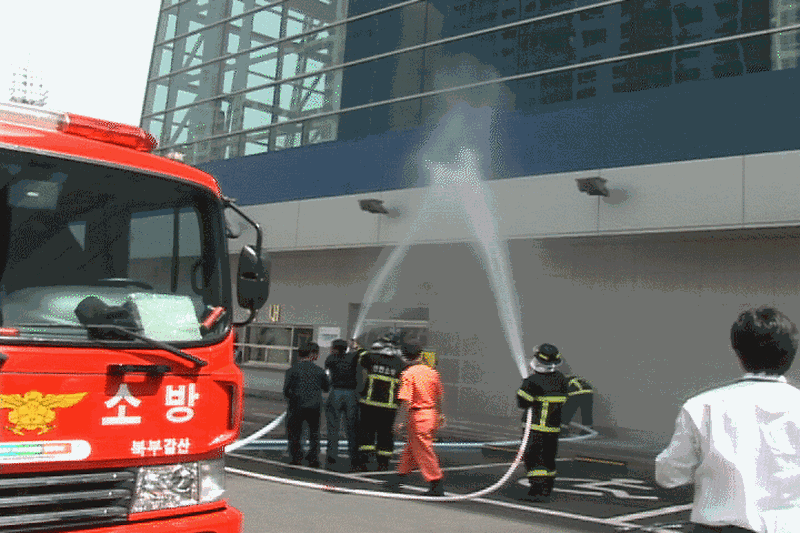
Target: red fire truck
{"x": 118, "y": 387}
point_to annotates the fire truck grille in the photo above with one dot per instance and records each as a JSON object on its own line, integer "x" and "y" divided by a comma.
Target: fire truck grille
{"x": 33, "y": 503}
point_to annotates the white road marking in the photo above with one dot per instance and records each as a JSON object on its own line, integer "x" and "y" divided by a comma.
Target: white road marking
{"x": 614, "y": 522}
{"x": 655, "y": 512}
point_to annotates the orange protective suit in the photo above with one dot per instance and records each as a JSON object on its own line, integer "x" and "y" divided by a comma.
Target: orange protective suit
{"x": 421, "y": 389}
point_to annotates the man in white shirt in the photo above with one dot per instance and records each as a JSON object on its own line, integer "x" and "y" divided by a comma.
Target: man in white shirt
{"x": 740, "y": 444}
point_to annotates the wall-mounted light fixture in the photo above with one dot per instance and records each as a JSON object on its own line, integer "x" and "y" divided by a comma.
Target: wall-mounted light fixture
{"x": 373, "y": 205}
{"x": 592, "y": 186}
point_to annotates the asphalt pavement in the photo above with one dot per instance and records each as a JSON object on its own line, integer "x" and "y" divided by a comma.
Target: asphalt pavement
{"x": 604, "y": 485}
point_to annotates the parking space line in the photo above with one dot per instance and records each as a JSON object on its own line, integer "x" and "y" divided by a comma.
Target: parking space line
{"x": 655, "y": 512}
{"x": 475, "y": 466}
{"x": 560, "y": 514}
{"x": 301, "y": 467}
{"x": 483, "y": 465}
{"x": 443, "y": 468}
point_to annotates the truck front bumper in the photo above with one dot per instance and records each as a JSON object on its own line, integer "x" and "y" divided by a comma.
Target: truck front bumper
{"x": 225, "y": 520}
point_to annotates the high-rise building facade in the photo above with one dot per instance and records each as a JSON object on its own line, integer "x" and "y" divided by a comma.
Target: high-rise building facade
{"x": 242, "y": 77}
{"x": 688, "y": 108}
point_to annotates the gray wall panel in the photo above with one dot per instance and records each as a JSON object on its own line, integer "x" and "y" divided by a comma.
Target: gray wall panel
{"x": 771, "y": 189}
{"x": 338, "y": 221}
{"x": 544, "y": 205}
{"x": 673, "y": 195}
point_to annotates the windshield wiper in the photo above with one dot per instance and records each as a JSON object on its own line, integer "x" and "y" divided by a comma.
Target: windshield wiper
{"x": 158, "y": 344}
{"x": 124, "y": 331}
{"x": 94, "y": 314}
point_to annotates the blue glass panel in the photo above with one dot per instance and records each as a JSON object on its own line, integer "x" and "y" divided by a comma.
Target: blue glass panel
{"x": 464, "y": 16}
{"x": 357, "y": 85}
{"x": 374, "y": 35}
{"x": 355, "y": 124}
{"x": 359, "y": 7}
{"x": 382, "y": 79}
{"x": 360, "y": 37}
{"x": 546, "y": 44}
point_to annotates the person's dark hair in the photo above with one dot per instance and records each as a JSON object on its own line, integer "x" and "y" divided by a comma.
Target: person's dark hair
{"x": 339, "y": 346}
{"x": 308, "y": 350}
{"x": 765, "y": 340}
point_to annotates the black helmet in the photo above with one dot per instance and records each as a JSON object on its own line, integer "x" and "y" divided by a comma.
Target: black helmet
{"x": 546, "y": 358}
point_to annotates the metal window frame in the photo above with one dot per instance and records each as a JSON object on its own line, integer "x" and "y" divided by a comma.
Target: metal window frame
{"x": 277, "y": 120}
{"x": 367, "y": 59}
{"x": 539, "y": 73}
{"x": 281, "y": 40}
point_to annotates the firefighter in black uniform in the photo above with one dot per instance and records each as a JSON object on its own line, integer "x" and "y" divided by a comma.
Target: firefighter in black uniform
{"x": 580, "y": 397}
{"x": 383, "y": 364}
{"x": 545, "y": 392}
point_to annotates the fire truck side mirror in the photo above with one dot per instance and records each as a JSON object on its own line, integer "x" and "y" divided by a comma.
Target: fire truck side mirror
{"x": 252, "y": 280}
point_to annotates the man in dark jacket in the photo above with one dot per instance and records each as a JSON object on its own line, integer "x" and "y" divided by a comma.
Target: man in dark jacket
{"x": 545, "y": 392}
{"x": 341, "y": 367}
{"x": 303, "y": 387}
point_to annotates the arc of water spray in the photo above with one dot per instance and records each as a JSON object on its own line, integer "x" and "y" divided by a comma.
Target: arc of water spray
{"x": 393, "y": 261}
{"x": 476, "y": 202}
{"x": 377, "y": 284}
{"x": 460, "y": 182}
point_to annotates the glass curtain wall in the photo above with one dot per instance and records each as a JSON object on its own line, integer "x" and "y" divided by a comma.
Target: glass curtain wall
{"x": 230, "y": 78}
{"x": 240, "y": 77}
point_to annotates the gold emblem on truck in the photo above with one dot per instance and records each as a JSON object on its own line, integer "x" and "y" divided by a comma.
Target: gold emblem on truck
{"x": 34, "y": 410}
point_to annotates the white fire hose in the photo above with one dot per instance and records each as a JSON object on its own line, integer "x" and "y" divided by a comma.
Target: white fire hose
{"x": 331, "y": 488}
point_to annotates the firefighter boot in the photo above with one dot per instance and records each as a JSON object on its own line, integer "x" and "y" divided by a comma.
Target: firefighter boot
{"x": 539, "y": 491}
{"x": 394, "y": 481}
{"x": 358, "y": 463}
{"x": 436, "y": 488}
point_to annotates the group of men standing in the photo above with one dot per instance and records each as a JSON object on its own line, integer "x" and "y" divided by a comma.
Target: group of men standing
{"x": 367, "y": 387}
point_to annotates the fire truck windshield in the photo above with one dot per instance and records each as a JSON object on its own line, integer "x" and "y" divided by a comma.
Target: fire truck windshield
{"x": 83, "y": 245}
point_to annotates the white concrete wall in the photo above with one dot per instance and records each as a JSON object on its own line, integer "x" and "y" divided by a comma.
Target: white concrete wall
{"x": 733, "y": 192}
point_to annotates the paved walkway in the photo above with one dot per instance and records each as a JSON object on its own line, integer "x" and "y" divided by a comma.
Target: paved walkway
{"x": 604, "y": 487}
{"x": 270, "y": 507}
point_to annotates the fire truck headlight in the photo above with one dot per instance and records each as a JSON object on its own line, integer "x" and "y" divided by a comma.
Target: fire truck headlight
{"x": 212, "y": 480}
{"x": 178, "y": 485}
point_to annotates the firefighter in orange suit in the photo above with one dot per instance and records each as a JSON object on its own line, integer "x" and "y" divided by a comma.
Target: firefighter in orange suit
{"x": 420, "y": 395}
{"x": 544, "y": 391}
